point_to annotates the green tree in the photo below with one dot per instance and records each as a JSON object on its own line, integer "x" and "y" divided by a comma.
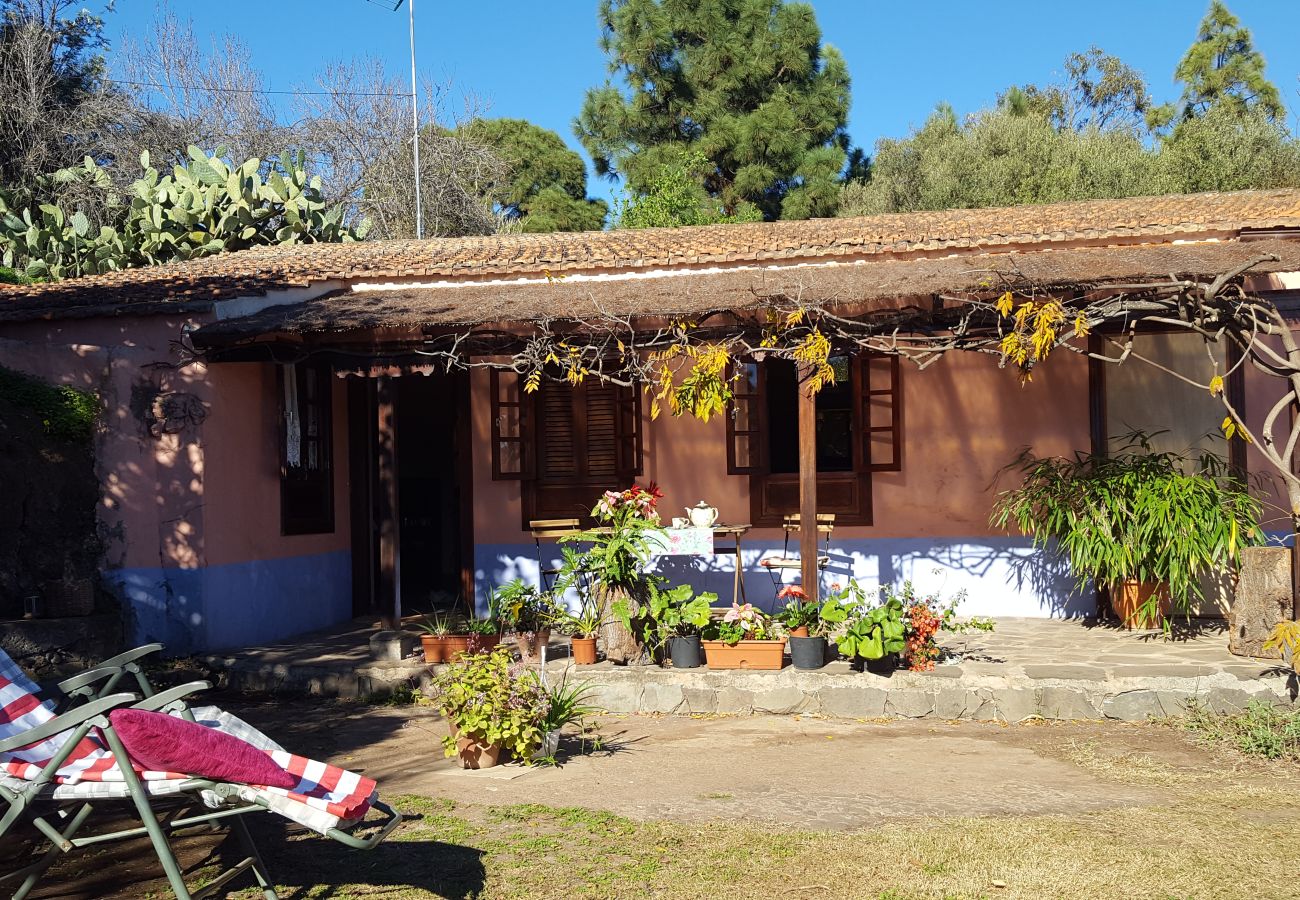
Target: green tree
{"x": 675, "y": 196}
{"x": 54, "y": 99}
{"x": 747, "y": 83}
{"x": 1101, "y": 91}
{"x": 546, "y": 186}
{"x": 1222, "y": 68}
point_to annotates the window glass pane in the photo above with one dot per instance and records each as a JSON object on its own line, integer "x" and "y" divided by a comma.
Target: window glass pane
{"x": 508, "y": 421}
{"x": 1140, "y": 397}
{"x": 508, "y": 453}
{"x": 834, "y": 418}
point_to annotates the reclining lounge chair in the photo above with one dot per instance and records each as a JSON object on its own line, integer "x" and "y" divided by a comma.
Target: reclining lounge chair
{"x": 56, "y": 769}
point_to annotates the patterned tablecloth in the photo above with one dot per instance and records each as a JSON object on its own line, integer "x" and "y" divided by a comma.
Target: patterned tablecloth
{"x": 684, "y": 542}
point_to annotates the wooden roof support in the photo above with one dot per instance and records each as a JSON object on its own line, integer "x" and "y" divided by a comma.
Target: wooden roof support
{"x": 808, "y": 485}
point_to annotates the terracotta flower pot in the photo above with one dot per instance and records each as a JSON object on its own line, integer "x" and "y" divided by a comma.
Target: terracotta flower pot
{"x": 584, "y": 651}
{"x": 435, "y": 649}
{"x": 1128, "y": 597}
{"x": 530, "y": 644}
{"x": 453, "y": 646}
{"x": 473, "y": 753}
{"x": 481, "y": 643}
{"x": 801, "y": 631}
{"x": 744, "y": 654}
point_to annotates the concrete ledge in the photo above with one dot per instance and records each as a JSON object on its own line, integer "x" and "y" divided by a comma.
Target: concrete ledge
{"x": 916, "y": 695}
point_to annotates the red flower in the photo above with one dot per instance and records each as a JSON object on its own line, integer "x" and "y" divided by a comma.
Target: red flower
{"x": 792, "y": 590}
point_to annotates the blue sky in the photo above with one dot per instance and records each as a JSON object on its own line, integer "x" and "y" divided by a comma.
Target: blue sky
{"x": 534, "y": 59}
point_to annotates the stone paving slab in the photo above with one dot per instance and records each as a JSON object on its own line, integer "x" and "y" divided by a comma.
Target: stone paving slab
{"x": 1025, "y": 668}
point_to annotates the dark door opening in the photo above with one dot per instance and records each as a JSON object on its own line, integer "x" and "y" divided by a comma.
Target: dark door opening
{"x": 430, "y": 421}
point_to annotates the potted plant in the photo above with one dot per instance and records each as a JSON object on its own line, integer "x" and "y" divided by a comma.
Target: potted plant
{"x": 435, "y": 629}
{"x": 803, "y": 623}
{"x": 490, "y": 709}
{"x": 483, "y": 634}
{"x": 1147, "y": 526}
{"x": 871, "y": 635}
{"x": 679, "y": 616}
{"x": 746, "y": 638}
{"x": 924, "y": 616}
{"x": 582, "y": 629}
{"x": 527, "y": 612}
{"x": 567, "y": 704}
{"x": 613, "y": 561}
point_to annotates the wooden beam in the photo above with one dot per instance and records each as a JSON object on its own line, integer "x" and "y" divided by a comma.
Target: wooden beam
{"x": 386, "y": 507}
{"x": 808, "y": 485}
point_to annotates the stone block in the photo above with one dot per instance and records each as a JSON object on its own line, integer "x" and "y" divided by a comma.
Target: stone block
{"x": 1263, "y": 598}
{"x": 615, "y": 697}
{"x": 910, "y": 704}
{"x": 393, "y": 646}
{"x": 856, "y": 702}
{"x": 1227, "y": 700}
{"x": 700, "y": 700}
{"x": 736, "y": 700}
{"x": 782, "y": 701}
{"x": 1133, "y": 706}
{"x": 661, "y": 698}
{"x": 1066, "y": 672}
{"x": 956, "y": 702}
{"x": 1014, "y": 704}
{"x": 1060, "y": 702}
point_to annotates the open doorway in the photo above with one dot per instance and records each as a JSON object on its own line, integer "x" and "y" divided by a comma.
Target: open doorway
{"x": 430, "y": 423}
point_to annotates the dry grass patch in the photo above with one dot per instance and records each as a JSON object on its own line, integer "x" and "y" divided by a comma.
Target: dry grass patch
{"x": 1166, "y": 851}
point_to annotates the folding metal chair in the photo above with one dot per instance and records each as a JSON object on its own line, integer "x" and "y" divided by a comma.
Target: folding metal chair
{"x": 777, "y": 566}
{"x": 550, "y": 530}
{"x": 55, "y": 770}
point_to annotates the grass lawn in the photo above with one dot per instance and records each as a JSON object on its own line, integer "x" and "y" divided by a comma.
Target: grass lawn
{"x": 1175, "y": 851}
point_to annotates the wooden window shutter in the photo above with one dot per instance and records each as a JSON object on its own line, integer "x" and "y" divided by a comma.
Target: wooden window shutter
{"x": 630, "y": 450}
{"x": 880, "y": 412}
{"x": 746, "y": 417}
{"x": 511, "y": 418}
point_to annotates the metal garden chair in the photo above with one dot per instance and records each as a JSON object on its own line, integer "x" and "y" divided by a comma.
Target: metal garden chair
{"x": 56, "y": 769}
{"x": 777, "y": 566}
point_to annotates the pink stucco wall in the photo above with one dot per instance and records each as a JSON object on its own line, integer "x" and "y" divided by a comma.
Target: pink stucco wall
{"x": 963, "y": 420}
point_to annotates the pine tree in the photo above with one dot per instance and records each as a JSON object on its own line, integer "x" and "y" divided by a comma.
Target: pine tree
{"x": 546, "y": 188}
{"x": 746, "y": 83}
{"x": 1222, "y": 68}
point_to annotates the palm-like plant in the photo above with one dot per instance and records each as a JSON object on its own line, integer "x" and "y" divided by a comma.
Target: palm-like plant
{"x": 1163, "y": 517}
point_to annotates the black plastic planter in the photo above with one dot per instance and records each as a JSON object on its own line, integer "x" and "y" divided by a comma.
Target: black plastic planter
{"x": 686, "y": 652}
{"x": 808, "y": 652}
{"x": 886, "y": 665}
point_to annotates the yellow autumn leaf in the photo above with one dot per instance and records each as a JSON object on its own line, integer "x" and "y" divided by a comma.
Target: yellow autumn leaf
{"x": 1005, "y": 304}
{"x": 1216, "y": 385}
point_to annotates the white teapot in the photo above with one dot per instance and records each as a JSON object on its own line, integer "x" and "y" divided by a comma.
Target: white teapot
{"x": 701, "y": 515}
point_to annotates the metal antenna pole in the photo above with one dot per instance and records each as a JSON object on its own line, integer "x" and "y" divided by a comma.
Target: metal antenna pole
{"x": 415, "y": 125}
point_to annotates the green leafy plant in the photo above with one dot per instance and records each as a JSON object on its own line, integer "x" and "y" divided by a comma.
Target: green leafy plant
{"x": 744, "y": 622}
{"x": 1159, "y": 517}
{"x": 523, "y": 607}
{"x": 436, "y": 625}
{"x": 798, "y": 614}
{"x": 861, "y": 630}
{"x": 493, "y": 702}
{"x": 486, "y": 625}
{"x": 67, "y": 413}
{"x": 679, "y": 612}
{"x": 586, "y": 622}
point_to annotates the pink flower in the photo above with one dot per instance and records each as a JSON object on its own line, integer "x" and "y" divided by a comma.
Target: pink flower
{"x": 792, "y": 590}
{"x": 739, "y": 613}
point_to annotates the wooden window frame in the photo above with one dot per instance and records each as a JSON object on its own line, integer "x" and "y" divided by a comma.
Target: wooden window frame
{"x": 628, "y": 445}
{"x": 846, "y": 494}
{"x": 295, "y": 480}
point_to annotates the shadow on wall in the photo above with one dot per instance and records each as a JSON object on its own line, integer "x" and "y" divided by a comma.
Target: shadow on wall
{"x": 1001, "y": 576}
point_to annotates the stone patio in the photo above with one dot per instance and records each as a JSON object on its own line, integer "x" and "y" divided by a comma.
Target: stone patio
{"x": 1025, "y": 668}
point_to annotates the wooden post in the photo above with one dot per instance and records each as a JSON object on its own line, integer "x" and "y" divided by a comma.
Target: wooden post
{"x": 386, "y": 507}
{"x": 808, "y": 485}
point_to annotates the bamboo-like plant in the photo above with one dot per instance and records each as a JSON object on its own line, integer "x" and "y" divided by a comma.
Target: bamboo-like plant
{"x": 1163, "y": 517}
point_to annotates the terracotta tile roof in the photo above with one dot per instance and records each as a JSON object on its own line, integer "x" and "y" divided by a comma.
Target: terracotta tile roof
{"x": 886, "y": 284}
{"x": 197, "y": 283}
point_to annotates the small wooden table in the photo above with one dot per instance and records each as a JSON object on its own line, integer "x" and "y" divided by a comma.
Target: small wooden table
{"x": 735, "y": 533}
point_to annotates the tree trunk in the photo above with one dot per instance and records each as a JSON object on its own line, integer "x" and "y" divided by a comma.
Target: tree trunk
{"x": 620, "y": 644}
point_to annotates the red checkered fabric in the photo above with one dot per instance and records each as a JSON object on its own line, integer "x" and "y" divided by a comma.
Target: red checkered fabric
{"x": 322, "y": 788}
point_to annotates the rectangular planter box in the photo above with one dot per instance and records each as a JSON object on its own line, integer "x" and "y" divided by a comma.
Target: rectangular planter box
{"x": 744, "y": 654}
